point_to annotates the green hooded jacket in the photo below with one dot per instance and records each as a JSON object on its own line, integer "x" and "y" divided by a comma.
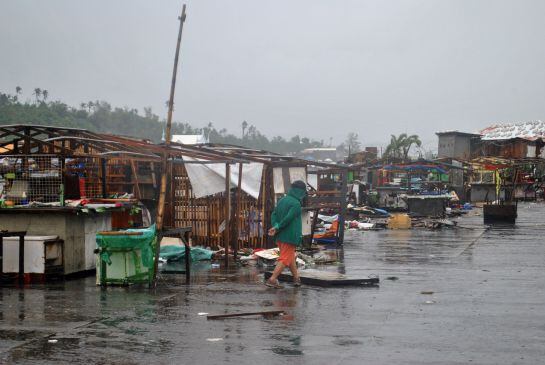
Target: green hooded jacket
{"x": 286, "y": 217}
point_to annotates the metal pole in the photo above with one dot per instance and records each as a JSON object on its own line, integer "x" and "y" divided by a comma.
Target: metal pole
{"x": 164, "y": 172}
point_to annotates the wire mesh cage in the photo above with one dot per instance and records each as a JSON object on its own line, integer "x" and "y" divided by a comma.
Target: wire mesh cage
{"x": 83, "y": 178}
{"x": 28, "y": 178}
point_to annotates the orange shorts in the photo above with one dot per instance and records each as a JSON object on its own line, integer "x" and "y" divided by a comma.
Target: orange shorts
{"x": 287, "y": 253}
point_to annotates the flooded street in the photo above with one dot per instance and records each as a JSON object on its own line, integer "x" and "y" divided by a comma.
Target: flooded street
{"x": 450, "y": 296}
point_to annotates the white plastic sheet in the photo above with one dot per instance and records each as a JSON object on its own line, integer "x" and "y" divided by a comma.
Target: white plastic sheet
{"x": 209, "y": 179}
{"x": 295, "y": 173}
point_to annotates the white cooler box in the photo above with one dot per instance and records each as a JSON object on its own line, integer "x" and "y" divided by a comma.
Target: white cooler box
{"x": 43, "y": 255}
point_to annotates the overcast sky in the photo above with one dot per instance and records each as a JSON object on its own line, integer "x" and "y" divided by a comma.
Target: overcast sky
{"x": 314, "y": 68}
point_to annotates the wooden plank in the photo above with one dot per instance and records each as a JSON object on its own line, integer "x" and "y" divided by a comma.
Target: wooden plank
{"x": 119, "y": 233}
{"x": 244, "y": 314}
{"x": 326, "y": 279}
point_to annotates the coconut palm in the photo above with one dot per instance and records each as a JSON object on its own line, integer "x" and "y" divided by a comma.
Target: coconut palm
{"x": 400, "y": 146}
{"x": 394, "y": 149}
{"x": 18, "y": 90}
{"x": 37, "y": 93}
{"x": 45, "y": 94}
{"x": 407, "y": 144}
{"x": 244, "y": 126}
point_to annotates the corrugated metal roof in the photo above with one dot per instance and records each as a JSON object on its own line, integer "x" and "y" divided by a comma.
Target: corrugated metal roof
{"x": 189, "y": 138}
{"x": 526, "y": 130}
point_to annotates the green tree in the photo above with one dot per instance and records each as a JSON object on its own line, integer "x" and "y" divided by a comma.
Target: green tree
{"x": 127, "y": 121}
{"x": 352, "y": 142}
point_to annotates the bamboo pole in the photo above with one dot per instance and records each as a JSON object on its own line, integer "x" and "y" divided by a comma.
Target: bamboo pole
{"x": 164, "y": 172}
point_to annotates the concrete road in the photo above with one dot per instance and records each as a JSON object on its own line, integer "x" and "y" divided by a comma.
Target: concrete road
{"x": 487, "y": 307}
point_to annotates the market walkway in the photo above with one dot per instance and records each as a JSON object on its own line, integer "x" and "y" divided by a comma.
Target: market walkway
{"x": 487, "y": 307}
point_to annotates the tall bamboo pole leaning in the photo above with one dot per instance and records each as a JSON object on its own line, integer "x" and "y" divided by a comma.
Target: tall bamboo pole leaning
{"x": 164, "y": 172}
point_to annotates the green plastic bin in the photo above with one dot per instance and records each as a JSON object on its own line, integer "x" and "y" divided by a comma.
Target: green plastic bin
{"x": 125, "y": 259}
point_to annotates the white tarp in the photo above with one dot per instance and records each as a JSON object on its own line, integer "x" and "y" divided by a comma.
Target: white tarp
{"x": 209, "y": 179}
{"x": 313, "y": 180}
{"x": 295, "y": 173}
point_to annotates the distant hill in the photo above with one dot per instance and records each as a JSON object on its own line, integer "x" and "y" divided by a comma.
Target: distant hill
{"x": 100, "y": 116}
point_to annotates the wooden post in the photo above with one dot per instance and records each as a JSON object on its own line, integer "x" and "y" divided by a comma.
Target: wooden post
{"x": 164, "y": 172}
{"x": 136, "y": 183}
{"x": 268, "y": 200}
{"x": 103, "y": 178}
{"x": 313, "y": 226}
{"x": 342, "y": 213}
{"x": 237, "y": 210}
{"x": 21, "y": 260}
{"x": 227, "y": 208}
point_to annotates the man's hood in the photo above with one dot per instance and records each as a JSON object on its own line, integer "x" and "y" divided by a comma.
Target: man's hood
{"x": 297, "y": 193}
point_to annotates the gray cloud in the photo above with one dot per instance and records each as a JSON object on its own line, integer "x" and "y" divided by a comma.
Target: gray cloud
{"x": 316, "y": 68}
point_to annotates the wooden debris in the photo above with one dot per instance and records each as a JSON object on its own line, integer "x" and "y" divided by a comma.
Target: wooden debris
{"x": 244, "y": 314}
{"x": 326, "y": 279}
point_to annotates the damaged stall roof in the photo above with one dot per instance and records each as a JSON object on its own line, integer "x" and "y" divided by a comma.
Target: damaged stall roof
{"x": 532, "y": 130}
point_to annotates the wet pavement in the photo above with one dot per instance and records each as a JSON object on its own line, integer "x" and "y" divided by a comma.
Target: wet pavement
{"x": 487, "y": 307}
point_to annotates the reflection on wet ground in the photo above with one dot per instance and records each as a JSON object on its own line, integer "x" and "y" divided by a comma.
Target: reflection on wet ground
{"x": 484, "y": 305}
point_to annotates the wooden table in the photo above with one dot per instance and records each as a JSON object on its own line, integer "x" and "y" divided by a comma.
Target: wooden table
{"x": 182, "y": 233}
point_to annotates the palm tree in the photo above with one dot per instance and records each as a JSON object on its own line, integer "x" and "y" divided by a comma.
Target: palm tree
{"x": 90, "y": 105}
{"x": 400, "y": 146}
{"x": 244, "y": 126}
{"x": 83, "y": 106}
{"x": 45, "y": 94}
{"x": 37, "y": 93}
{"x": 252, "y": 131}
{"x": 18, "y": 90}
{"x": 393, "y": 150}
{"x": 407, "y": 144}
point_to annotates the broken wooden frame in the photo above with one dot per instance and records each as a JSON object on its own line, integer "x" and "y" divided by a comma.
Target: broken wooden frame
{"x": 128, "y": 165}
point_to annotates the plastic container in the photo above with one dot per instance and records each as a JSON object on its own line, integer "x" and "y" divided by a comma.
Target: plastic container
{"x": 399, "y": 221}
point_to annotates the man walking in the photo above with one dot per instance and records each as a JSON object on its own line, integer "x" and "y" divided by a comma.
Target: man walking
{"x": 287, "y": 228}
